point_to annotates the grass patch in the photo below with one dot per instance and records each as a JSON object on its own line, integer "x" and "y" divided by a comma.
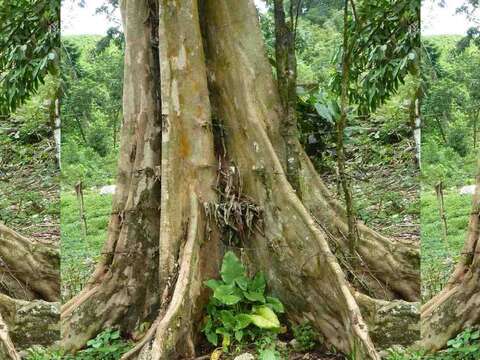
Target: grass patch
{"x": 80, "y": 254}
{"x": 439, "y": 257}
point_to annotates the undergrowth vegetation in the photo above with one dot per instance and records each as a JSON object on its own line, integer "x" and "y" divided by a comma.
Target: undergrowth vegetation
{"x": 465, "y": 346}
{"x": 29, "y": 173}
{"x": 80, "y": 254}
{"x": 239, "y": 310}
{"x": 108, "y": 345}
{"x": 439, "y": 256}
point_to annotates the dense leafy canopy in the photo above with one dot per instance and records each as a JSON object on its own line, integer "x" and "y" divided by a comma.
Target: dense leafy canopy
{"x": 384, "y": 47}
{"x": 29, "y": 41}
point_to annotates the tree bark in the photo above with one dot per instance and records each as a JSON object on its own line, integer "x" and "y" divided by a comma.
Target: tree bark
{"x": 286, "y": 66}
{"x": 37, "y": 274}
{"x": 340, "y": 127}
{"x": 456, "y": 307}
{"x": 214, "y": 75}
{"x": 124, "y": 287}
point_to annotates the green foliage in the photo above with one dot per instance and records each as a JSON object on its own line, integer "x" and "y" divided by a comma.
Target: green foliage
{"x": 306, "y": 337}
{"x": 80, "y": 255}
{"x": 405, "y": 354}
{"x": 29, "y": 41}
{"x": 41, "y": 353}
{"x": 383, "y": 48}
{"x": 465, "y": 346}
{"x": 451, "y": 111}
{"x": 314, "y": 45}
{"x": 239, "y": 307}
{"x": 438, "y": 258}
{"x": 28, "y": 167}
{"x": 91, "y": 110}
{"x": 267, "y": 348}
{"x": 108, "y": 345}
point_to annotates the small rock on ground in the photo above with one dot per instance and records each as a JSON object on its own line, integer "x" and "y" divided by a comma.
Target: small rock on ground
{"x": 245, "y": 356}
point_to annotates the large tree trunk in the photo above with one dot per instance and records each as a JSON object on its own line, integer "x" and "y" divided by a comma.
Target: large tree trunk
{"x": 213, "y": 66}
{"x": 457, "y": 306}
{"x": 29, "y": 293}
{"x": 124, "y": 288}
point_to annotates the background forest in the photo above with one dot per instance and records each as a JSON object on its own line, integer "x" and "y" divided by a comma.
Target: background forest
{"x": 450, "y": 111}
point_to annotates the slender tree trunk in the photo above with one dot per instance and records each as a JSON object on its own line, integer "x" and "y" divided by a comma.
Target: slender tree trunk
{"x": 456, "y": 307}
{"x": 341, "y": 124}
{"x": 213, "y": 66}
{"x": 286, "y": 66}
{"x": 58, "y": 132}
{"x": 476, "y": 115}
{"x": 416, "y": 122}
{"x": 441, "y": 211}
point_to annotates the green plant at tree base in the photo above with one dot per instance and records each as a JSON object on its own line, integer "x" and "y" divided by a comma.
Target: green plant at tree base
{"x": 108, "y": 345}
{"x": 305, "y": 336}
{"x": 466, "y": 346}
{"x": 239, "y": 309}
{"x": 266, "y": 347}
{"x": 41, "y": 353}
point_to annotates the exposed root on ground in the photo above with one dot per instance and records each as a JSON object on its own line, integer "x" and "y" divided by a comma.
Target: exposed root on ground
{"x": 29, "y": 295}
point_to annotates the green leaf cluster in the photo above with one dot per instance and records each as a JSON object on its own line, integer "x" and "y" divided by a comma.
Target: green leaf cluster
{"x": 306, "y": 337}
{"x": 384, "y": 47}
{"x": 239, "y": 307}
{"x": 466, "y": 346}
{"x": 29, "y": 43}
{"x": 108, "y": 345}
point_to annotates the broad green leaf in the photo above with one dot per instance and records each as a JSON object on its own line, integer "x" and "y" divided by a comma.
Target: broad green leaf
{"x": 242, "y": 321}
{"x": 275, "y": 304}
{"x": 268, "y": 354}
{"x": 212, "y": 337}
{"x": 227, "y": 294}
{"x": 226, "y": 341}
{"x": 213, "y": 284}
{"x": 228, "y": 319}
{"x": 258, "y": 283}
{"x": 233, "y": 271}
{"x": 264, "y": 318}
{"x": 239, "y": 335}
{"x": 254, "y": 296}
